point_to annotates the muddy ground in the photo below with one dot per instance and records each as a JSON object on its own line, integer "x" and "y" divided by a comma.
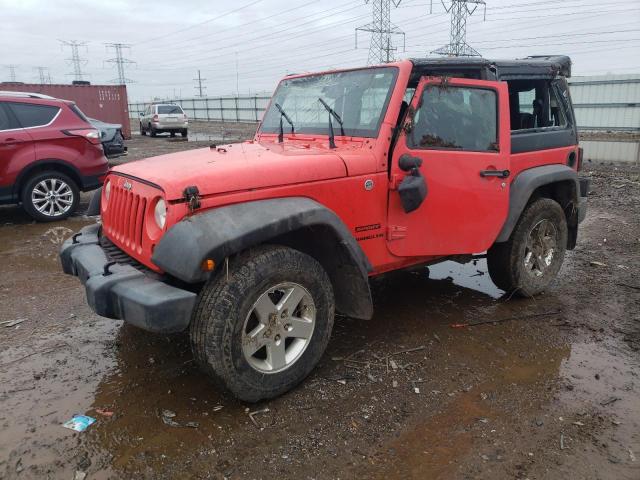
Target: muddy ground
{"x": 404, "y": 395}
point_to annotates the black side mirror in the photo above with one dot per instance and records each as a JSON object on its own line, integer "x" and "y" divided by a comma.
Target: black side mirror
{"x": 413, "y": 188}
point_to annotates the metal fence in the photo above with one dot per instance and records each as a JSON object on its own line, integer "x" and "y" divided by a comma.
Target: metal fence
{"x": 244, "y": 109}
{"x": 608, "y": 115}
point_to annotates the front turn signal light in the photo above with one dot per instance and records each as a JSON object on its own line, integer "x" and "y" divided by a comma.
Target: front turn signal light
{"x": 208, "y": 265}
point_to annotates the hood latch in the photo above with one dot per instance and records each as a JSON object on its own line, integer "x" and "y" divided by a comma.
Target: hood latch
{"x": 192, "y": 197}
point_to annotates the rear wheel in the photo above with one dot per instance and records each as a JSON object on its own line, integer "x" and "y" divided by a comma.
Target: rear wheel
{"x": 152, "y": 131}
{"x": 142, "y": 130}
{"x": 531, "y": 259}
{"x": 260, "y": 329}
{"x": 184, "y": 132}
{"x": 50, "y": 196}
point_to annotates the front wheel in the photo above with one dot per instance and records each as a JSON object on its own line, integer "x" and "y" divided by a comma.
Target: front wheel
{"x": 531, "y": 259}
{"x": 50, "y": 196}
{"x": 184, "y": 132}
{"x": 262, "y": 327}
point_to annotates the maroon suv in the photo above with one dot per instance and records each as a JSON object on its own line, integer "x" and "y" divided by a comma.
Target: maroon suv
{"x": 49, "y": 152}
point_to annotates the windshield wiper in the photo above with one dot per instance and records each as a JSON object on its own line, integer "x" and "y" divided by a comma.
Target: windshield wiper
{"x": 286, "y": 117}
{"x": 332, "y": 113}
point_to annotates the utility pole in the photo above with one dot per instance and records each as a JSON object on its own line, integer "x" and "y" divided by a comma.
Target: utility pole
{"x": 199, "y": 87}
{"x": 43, "y": 75}
{"x": 120, "y": 62}
{"x": 237, "y": 78}
{"x": 381, "y": 48}
{"x": 460, "y": 10}
{"x": 75, "y": 59}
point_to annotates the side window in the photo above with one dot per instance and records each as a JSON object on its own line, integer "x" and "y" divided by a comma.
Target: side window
{"x": 5, "y": 121}
{"x": 535, "y": 104}
{"x": 456, "y": 118}
{"x": 33, "y": 115}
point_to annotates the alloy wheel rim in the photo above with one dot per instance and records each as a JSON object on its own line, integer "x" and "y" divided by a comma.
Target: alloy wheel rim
{"x": 52, "y": 197}
{"x": 541, "y": 248}
{"x": 278, "y": 327}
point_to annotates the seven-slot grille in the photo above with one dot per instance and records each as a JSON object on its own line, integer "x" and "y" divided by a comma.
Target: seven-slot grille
{"x": 124, "y": 218}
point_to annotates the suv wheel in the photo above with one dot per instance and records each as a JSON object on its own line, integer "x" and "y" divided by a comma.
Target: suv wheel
{"x": 263, "y": 326}
{"x": 152, "y": 131}
{"x": 50, "y": 196}
{"x": 142, "y": 130}
{"x": 530, "y": 260}
{"x": 184, "y": 132}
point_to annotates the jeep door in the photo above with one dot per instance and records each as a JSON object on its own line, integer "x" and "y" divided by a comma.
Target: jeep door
{"x": 458, "y": 130}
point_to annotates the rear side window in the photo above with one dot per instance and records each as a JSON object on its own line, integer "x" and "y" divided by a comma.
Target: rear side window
{"x": 5, "y": 121}
{"x": 33, "y": 115}
{"x": 168, "y": 109}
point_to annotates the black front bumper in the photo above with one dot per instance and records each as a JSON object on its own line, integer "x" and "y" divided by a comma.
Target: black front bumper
{"x": 122, "y": 291}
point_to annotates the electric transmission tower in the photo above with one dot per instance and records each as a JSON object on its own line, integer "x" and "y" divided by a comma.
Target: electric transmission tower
{"x": 381, "y": 49}
{"x": 75, "y": 59}
{"x": 460, "y": 10}
{"x": 120, "y": 62}
{"x": 43, "y": 75}
{"x": 199, "y": 86}
{"x": 12, "y": 72}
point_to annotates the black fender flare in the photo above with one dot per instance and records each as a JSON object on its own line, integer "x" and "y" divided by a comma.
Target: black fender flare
{"x": 298, "y": 222}
{"x": 526, "y": 183}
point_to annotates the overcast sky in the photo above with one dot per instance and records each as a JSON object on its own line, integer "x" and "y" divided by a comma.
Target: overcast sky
{"x": 170, "y": 39}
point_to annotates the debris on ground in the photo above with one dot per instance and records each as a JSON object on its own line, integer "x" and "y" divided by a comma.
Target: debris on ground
{"x": 507, "y": 319}
{"x": 167, "y": 418}
{"x": 79, "y": 423}
{"x": 595, "y": 263}
{"x": 104, "y": 413}
{"x": 257, "y": 412}
{"x": 80, "y": 475}
{"x": 12, "y": 323}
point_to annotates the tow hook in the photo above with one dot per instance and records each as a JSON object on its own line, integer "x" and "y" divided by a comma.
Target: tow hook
{"x": 192, "y": 196}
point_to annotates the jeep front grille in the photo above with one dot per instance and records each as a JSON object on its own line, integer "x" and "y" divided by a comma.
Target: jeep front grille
{"x": 124, "y": 218}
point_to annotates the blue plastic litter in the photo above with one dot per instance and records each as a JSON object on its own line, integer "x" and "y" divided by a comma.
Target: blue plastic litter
{"x": 79, "y": 423}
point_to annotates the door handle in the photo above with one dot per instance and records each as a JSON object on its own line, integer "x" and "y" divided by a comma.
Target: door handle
{"x": 495, "y": 173}
{"x": 12, "y": 141}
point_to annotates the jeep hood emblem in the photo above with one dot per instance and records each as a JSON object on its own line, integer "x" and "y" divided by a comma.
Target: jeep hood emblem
{"x": 127, "y": 185}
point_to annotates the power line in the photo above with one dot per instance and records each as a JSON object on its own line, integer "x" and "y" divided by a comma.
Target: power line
{"x": 458, "y": 46}
{"x": 120, "y": 62}
{"x": 75, "y": 59}
{"x": 199, "y": 86}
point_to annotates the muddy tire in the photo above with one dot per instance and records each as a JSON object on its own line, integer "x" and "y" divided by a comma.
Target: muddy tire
{"x": 260, "y": 329}
{"x": 50, "y": 196}
{"x": 530, "y": 260}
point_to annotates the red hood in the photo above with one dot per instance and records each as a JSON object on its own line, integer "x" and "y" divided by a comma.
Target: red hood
{"x": 237, "y": 167}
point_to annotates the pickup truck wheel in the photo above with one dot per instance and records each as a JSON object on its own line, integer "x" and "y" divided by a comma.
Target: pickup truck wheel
{"x": 50, "y": 196}
{"x": 262, "y": 327}
{"x": 530, "y": 260}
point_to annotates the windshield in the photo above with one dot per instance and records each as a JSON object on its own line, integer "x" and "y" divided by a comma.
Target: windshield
{"x": 359, "y": 97}
{"x": 165, "y": 109}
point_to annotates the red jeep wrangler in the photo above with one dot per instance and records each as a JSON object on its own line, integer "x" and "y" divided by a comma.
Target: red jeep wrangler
{"x": 352, "y": 173}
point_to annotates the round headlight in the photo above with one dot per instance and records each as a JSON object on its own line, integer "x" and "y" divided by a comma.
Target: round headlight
{"x": 160, "y": 213}
{"x": 107, "y": 190}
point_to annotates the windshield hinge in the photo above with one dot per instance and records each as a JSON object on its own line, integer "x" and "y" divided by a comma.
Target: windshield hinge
{"x": 192, "y": 197}
{"x": 395, "y": 180}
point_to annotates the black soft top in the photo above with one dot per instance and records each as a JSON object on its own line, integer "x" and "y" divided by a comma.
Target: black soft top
{"x": 537, "y": 67}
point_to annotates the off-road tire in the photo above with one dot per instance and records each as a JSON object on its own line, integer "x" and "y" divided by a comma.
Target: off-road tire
{"x": 142, "y": 130}
{"x": 31, "y": 183}
{"x": 506, "y": 261}
{"x": 224, "y": 303}
{"x": 184, "y": 132}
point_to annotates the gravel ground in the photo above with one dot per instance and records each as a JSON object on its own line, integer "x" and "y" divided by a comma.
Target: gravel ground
{"x": 403, "y": 395}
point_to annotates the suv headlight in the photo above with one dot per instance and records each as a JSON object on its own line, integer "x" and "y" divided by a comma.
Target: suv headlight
{"x": 160, "y": 213}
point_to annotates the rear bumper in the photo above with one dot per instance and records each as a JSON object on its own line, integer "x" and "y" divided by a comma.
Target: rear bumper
{"x": 123, "y": 292}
